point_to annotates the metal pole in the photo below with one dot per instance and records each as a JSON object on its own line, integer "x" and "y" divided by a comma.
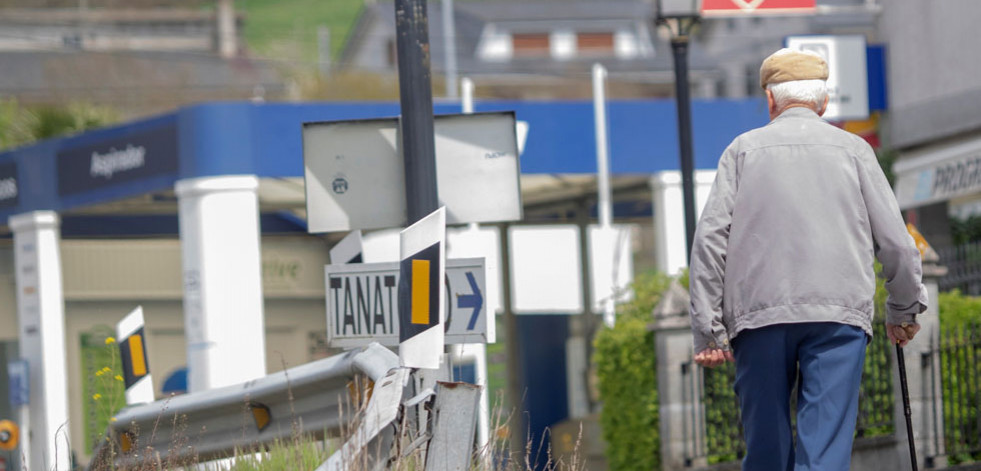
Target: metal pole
{"x": 901, "y": 361}
{"x": 226, "y": 29}
{"x": 679, "y": 47}
{"x": 467, "y": 85}
{"x": 588, "y": 315}
{"x": 449, "y": 42}
{"x": 516, "y": 423}
{"x": 602, "y": 147}
{"x": 605, "y": 202}
{"x": 480, "y": 349}
{"x": 323, "y": 49}
{"x": 416, "y": 99}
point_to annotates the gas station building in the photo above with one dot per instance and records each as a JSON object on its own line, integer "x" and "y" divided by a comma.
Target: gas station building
{"x": 198, "y": 216}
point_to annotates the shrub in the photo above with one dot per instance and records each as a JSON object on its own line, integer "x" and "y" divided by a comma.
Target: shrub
{"x": 625, "y": 364}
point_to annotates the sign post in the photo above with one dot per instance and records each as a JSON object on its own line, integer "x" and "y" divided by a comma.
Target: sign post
{"x": 422, "y": 270}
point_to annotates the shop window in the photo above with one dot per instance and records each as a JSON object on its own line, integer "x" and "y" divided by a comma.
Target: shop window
{"x": 530, "y": 44}
{"x": 595, "y": 43}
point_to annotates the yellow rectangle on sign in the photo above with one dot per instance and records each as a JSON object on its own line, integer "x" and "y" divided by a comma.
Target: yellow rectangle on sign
{"x": 136, "y": 354}
{"x": 420, "y": 292}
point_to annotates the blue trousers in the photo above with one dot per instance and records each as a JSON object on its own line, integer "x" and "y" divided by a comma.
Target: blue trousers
{"x": 825, "y": 360}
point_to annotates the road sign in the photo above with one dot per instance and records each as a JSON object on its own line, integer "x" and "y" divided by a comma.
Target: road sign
{"x": 848, "y": 82}
{"x": 355, "y": 174}
{"x": 420, "y": 298}
{"x": 132, "y": 353}
{"x": 362, "y": 303}
{"x": 348, "y": 250}
{"x": 719, "y": 8}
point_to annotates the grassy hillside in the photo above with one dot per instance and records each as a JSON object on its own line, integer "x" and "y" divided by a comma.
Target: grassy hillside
{"x": 287, "y": 29}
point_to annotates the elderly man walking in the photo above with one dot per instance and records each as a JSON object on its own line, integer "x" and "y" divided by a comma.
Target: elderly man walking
{"x": 782, "y": 276}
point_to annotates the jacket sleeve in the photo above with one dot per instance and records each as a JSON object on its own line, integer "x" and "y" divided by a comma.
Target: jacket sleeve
{"x": 708, "y": 258}
{"x": 894, "y": 247}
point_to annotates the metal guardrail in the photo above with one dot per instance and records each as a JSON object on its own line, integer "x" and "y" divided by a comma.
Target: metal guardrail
{"x": 310, "y": 398}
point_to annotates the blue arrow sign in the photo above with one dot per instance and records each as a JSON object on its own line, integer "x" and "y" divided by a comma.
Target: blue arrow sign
{"x": 475, "y": 301}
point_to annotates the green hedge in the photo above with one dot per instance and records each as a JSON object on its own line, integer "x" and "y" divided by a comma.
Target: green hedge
{"x": 624, "y": 358}
{"x": 960, "y": 344}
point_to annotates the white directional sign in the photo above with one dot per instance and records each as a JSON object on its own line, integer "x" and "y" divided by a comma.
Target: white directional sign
{"x": 355, "y": 174}
{"x": 362, "y": 303}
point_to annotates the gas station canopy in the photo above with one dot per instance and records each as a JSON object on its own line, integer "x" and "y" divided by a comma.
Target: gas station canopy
{"x": 120, "y": 179}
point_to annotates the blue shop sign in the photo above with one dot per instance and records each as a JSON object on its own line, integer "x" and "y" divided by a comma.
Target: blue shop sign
{"x": 136, "y": 155}
{"x": 8, "y": 185}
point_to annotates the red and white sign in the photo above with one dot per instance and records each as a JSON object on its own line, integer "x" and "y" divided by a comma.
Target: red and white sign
{"x": 756, "y": 7}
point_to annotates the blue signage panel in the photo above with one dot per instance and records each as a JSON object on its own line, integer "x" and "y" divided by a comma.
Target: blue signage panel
{"x": 8, "y": 185}
{"x": 135, "y": 155}
{"x": 18, "y": 372}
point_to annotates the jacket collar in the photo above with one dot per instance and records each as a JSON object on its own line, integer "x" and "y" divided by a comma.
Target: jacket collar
{"x": 798, "y": 112}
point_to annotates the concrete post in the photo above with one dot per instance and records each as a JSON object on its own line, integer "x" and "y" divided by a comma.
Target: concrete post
{"x": 679, "y": 396}
{"x": 923, "y": 379}
{"x": 41, "y": 319}
{"x": 223, "y": 312}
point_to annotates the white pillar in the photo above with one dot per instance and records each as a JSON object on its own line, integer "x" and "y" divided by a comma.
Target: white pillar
{"x": 41, "y": 319}
{"x": 669, "y": 216}
{"x": 222, "y": 267}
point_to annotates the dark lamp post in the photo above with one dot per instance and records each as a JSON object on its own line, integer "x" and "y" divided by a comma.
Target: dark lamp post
{"x": 680, "y": 16}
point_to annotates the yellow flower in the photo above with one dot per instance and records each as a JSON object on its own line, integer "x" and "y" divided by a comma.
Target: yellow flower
{"x": 106, "y": 369}
{"x": 110, "y": 340}
{"x": 97, "y": 396}
{"x": 119, "y": 378}
{"x": 113, "y": 419}
{"x": 99, "y": 373}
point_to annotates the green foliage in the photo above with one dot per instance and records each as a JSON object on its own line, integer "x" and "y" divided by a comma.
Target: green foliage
{"x": 965, "y": 231}
{"x": 723, "y": 426}
{"x": 21, "y": 125}
{"x": 103, "y": 392}
{"x": 957, "y": 310}
{"x": 296, "y": 453}
{"x": 887, "y": 157}
{"x": 287, "y": 29}
{"x": 960, "y": 344}
{"x": 630, "y": 408}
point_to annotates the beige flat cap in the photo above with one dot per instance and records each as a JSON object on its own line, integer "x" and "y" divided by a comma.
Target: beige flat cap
{"x": 786, "y": 65}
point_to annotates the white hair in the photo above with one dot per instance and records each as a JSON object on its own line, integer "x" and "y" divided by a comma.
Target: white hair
{"x": 811, "y": 93}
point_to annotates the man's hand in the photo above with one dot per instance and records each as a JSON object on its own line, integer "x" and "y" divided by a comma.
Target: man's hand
{"x": 712, "y": 357}
{"x": 901, "y": 334}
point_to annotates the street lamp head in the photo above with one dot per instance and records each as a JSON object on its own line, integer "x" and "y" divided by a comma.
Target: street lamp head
{"x": 681, "y": 9}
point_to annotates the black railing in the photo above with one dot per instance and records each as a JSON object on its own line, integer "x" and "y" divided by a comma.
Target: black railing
{"x": 720, "y": 418}
{"x": 960, "y": 366}
{"x": 963, "y": 264}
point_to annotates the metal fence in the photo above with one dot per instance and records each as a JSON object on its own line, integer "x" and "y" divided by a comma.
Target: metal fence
{"x": 963, "y": 264}
{"x": 960, "y": 379}
{"x": 718, "y": 420}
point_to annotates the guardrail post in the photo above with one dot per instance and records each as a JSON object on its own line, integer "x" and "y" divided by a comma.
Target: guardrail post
{"x": 454, "y": 421}
{"x": 923, "y": 378}
{"x": 679, "y": 396}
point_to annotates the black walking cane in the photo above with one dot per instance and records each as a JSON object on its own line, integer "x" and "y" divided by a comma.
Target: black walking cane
{"x": 901, "y": 359}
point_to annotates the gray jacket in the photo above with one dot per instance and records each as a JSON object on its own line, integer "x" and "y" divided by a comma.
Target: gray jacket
{"x": 798, "y": 212}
